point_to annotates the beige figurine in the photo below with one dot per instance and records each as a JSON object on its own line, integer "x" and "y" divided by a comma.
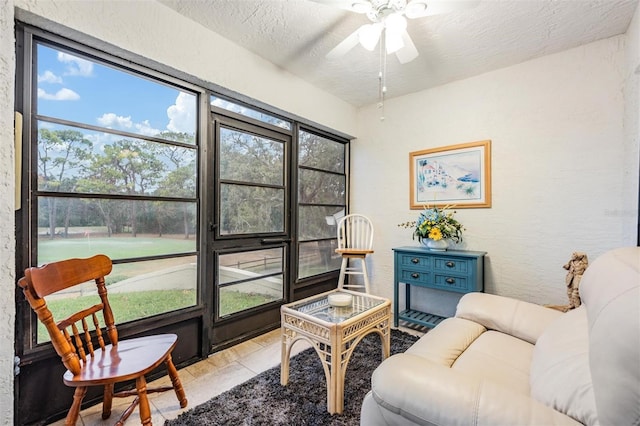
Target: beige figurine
{"x": 576, "y": 267}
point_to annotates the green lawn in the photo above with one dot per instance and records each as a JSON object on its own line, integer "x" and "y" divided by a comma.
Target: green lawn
{"x": 114, "y": 247}
{"x": 232, "y": 301}
{"x": 131, "y": 306}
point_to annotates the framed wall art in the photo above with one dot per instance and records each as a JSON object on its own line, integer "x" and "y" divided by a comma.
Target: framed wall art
{"x": 457, "y": 175}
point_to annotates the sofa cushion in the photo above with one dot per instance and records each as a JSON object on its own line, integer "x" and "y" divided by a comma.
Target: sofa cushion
{"x": 560, "y": 375}
{"x": 524, "y": 320}
{"x": 499, "y": 358}
{"x": 610, "y": 289}
{"x": 431, "y": 394}
{"x": 444, "y": 344}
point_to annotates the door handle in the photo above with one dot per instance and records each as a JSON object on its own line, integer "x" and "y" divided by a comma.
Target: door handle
{"x": 274, "y": 240}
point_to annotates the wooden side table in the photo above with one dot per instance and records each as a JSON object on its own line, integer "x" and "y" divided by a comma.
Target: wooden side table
{"x": 334, "y": 333}
{"x": 459, "y": 271}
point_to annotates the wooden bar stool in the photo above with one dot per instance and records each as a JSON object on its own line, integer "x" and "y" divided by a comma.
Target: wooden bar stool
{"x": 355, "y": 242}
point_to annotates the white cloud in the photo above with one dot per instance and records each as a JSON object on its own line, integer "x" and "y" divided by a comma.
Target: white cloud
{"x": 99, "y": 140}
{"x": 145, "y": 128}
{"x": 49, "y": 77}
{"x": 230, "y": 106}
{"x": 113, "y": 121}
{"x": 109, "y": 119}
{"x": 61, "y": 95}
{"x": 182, "y": 114}
{"x": 75, "y": 65}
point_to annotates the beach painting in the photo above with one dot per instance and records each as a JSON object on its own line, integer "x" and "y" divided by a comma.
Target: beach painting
{"x": 456, "y": 175}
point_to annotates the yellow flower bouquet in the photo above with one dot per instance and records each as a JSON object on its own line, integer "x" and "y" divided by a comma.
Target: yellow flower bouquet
{"x": 436, "y": 223}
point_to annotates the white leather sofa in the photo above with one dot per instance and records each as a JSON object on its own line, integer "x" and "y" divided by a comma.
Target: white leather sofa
{"x": 501, "y": 361}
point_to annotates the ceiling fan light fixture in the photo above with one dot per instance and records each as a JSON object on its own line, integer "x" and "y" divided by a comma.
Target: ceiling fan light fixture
{"x": 416, "y": 9}
{"x": 368, "y": 35}
{"x": 395, "y": 23}
{"x": 393, "y": 42}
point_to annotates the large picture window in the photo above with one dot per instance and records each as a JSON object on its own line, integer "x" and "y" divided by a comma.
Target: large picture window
{"x": 115, "y": 156}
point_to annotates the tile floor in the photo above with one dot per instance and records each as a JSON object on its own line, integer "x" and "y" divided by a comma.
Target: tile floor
{"x": 202, "y": 381}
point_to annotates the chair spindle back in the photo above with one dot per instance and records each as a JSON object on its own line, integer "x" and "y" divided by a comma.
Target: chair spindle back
{"x": 72, "y": 343}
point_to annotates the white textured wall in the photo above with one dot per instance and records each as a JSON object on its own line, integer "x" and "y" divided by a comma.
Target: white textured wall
{"x": 560, "y": 173}
{"x": 157, "y": 32}
{"x": 7, "y": 235}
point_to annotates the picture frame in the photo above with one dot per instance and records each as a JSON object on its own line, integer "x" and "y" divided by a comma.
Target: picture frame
{"x": 455, "y": 175}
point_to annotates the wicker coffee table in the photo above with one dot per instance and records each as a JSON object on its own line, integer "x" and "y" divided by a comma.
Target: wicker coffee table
{"x": 334, "y": 332}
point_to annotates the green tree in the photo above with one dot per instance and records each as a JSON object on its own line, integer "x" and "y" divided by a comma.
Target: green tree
{"x": 247, "y": 164}
{"x": 62, "y": 156}
{"x": 322, "y": 185}
{"x": 125, "y": 167}
{"x": 180, "y": 182}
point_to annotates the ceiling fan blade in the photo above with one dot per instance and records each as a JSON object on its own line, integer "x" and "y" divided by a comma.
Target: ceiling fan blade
{"x": 345, "y": 45}
{"x": 420, "y": 8}
{"x": 416, "y": 9}
{"x": 408, "y": 52}
{"x": 358, "y": 6}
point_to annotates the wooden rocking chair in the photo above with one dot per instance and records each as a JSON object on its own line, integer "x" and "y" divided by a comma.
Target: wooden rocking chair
{"x": 106, "y": 364}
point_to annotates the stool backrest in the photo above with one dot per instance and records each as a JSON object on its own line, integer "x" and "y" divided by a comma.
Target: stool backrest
{"x": 355, "y": 231}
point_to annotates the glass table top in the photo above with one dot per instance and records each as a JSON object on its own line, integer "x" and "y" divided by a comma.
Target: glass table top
{"x": 319, "y": 307}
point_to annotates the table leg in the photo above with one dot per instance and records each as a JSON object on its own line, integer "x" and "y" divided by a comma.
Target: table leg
{"x": 396, "y": 302}
{"x": 284, "y": 358}
{"x": 333, "y": 395}
{"x": 386, "y": 343}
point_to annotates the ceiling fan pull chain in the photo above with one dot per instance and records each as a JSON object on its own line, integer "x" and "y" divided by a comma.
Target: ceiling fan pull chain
{"x": 382, "y": 76}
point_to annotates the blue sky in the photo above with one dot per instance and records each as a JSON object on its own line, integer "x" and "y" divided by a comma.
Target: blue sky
{"x": 76, "y": 89}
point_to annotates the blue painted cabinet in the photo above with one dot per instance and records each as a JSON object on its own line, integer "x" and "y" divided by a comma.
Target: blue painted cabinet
{"x": 459, "y": 271}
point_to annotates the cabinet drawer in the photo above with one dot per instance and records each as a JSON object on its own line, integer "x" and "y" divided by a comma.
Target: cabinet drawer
{"x": 417, "y": 277}
{"x": 451, "y": 283}
{"x": 452, "y": 264}
{"x": 415, "y": 262}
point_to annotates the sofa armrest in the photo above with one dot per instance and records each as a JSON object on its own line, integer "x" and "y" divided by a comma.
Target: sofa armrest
{"x": 520, "y": 319}
{"x": 430, "y": 394}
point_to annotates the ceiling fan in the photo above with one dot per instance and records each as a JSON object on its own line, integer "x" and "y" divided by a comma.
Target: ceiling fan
{"x": 389, "y": 23}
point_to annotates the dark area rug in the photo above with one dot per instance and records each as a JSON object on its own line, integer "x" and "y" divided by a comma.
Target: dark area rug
{"x": 263, "y": 401}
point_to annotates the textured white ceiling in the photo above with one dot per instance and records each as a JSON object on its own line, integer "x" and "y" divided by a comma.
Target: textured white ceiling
{"x": 297, "y": 34}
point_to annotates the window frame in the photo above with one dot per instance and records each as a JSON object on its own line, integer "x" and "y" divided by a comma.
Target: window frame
{"x": 55, "y": 35}
{"x": 27, "y": 40}
{"x": 302, "y": 282}
{"x": 262, "y": 131}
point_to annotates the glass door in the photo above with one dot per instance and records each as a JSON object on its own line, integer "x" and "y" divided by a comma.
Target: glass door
{"x": 251, "y": 224}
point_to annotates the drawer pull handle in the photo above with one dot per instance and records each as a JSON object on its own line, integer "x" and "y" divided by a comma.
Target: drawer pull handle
{"x": 415, "y": 260}
{"x": 415, "y": 275}
{"x": 450, "y": 280}
{"x": 450, "y": 264}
